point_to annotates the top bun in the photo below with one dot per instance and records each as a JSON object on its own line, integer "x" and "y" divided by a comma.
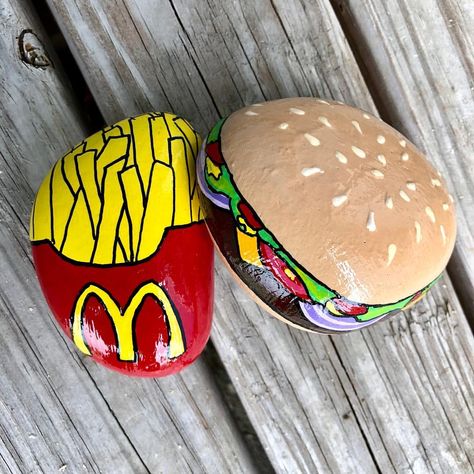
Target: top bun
{"x": 348, "y": 197}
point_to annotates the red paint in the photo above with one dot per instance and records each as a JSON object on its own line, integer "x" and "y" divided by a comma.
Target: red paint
{"x": 249, "y": 215}
{"x": 277, "y": 266}
{"x": 213, "y": 152}
{"x": 348, "y": 308}
{"x": 183, "y": 266}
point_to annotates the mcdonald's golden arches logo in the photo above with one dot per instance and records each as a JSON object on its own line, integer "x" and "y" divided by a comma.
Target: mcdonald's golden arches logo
{"x": 122, "y": 320}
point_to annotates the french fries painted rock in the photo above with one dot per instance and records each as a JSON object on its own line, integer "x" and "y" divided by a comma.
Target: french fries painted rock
{"x": 121, "y": 250}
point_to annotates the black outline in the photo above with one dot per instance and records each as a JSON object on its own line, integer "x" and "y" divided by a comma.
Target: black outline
{"x": 110, "y": 265}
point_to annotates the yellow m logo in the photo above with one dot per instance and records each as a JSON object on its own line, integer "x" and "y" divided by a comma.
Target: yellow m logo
{"x": 123, "y": 321}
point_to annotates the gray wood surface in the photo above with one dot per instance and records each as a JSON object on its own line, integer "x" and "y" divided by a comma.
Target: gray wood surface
{"x": 419, "y": 58}
{"x": 60, "y": 411}
{"x": 395, "y": 398}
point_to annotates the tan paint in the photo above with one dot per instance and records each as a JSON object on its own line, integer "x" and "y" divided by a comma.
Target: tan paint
{"x": 299, "y": 209}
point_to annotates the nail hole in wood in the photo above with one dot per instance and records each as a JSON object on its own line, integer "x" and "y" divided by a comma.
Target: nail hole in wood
{"x": 32, "y": 51}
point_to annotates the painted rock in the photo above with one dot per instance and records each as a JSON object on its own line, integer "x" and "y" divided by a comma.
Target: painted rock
{"x": 328, "y": 216}
{"x": 120, "y": 248}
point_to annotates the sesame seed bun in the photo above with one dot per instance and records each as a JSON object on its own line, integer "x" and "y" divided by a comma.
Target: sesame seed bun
{"x": 344, "y": 197}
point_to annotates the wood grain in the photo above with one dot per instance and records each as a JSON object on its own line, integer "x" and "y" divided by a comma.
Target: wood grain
{"x": 419, "y": 61}
{"x": 58, "y": 409}
{"x": 393, "y": 398}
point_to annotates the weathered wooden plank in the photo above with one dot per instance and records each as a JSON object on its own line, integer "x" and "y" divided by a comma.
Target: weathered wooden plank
{"x": 419, "y": 61}
{"x": 59, "y": 410}
{"x": 349, "y": 403}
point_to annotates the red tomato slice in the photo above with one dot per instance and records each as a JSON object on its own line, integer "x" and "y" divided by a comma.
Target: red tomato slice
{"x": 249, "y": 215}
{"x": 348, "y": 308}
{"x": 212, "y": 150}
{"x": 282, "y": 272}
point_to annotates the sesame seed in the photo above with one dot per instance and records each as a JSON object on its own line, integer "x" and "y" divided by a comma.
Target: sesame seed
{"x": 377, "y": 174}
{"x": 430, "y": 214}
{"x": 418, "y": 232}
{"x": 341, "y": 157}
{"x": 403, "y": 143}
{"x": 312, "y": 139}
{"x": 381, "y": 139}
{"x": 404, "y": 196}
{"x": 435, "y": 182}
{"x": 445, "y": 206}
{"x": 389, "y": 202}
{"x": 405, "y": 156}
{"x": 411, "y": 185}
{"x": 382, "y": 159}
{"x": 392, "y": 250}
{"x": 310, "y": 171}
{"x": 321, "y": 101}
{"x": 339, "y": 200}
{"x": 366, "y": 116}
{"x": 257, "y": 105}
{"x": 296, "y": 111}
{"x": 325, "y": 121}
{"x": 371, "y": 222}
{"x": 451, "y": 197}
{"x": 283, "y": 126}
{"x": 443, "y": 233}
{"x": 356, "y": 125}
{"x": 357, "y": 151}
{"x": 250, "y": 112}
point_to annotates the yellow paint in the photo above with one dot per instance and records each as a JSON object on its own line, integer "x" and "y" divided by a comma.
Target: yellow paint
{"x": 159, "y": 209}
{"x": 159, "y": 128}
{"x": 182, "y": 202}
{"x": 40, "y": 221}
{"x": 246, "y": 228}
{"x": 107, "y": 229}
{"x": 123, "y": 321}
{"x": 290, "y": 274}
{"x": 69, "y": 167}
{"x": 133, "y": 202}
{"x": 79, "y": 225}
{"x": 85, "y": 164}
{"x": 248, "y": 248}
{"x": 330, "y": 306}
{"x": 212, "y": 169}
{"x": 145, "y": 166}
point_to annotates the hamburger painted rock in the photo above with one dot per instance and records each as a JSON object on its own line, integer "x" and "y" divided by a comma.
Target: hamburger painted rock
{"x": 120, "y": 248}
{"x": 327, "y": 215}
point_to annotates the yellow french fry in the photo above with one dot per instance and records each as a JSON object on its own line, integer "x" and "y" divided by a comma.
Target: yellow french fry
{"x": 85, "y": 164}
{"x": 119, "y": 253}
{"x": 124, "y": 237}
{"x": 62, "y": 202}
{"x": 160, "y": 134}
{"x": 195, "y": 206}
{"x": 133, "y": 197}
{"x": 94, "y": 142}
{"x": 186, "y": 129}
{"x": 40, "y": 222}
{"x": 182, "y": 204}
{"x": 143, "y": 147}
{"x": 159, "y": 209}
{"x": 114, "y": 149}
{"x": 78, "y": 239}
{"x": 68, "y": 165}
{"x": 110, "y": 213}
